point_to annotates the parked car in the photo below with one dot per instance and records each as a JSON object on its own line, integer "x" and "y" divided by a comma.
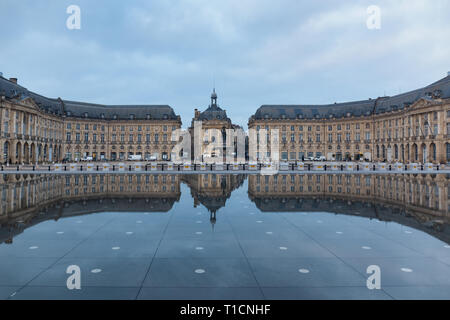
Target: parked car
{"x": 309, "y": 159}
{"x": 87, "y": 158}
{"x": 135, "y": 157}
{"x": 321, "y": 158}
{"x": 151, "y": 158}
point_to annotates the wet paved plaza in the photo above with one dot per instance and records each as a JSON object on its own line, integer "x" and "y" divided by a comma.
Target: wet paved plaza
{"x": 225, "y": 236}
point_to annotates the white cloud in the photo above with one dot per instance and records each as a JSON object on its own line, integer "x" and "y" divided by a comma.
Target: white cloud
{"x": 259, "y": 51}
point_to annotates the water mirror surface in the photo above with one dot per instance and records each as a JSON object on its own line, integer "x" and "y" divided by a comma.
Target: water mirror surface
{"x": 144, "y": 236}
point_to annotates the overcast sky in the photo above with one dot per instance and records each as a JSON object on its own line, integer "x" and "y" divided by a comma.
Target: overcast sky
{"x": 257, "y": 51}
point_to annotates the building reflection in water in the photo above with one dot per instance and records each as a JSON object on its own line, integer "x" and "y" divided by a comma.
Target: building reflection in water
{"x": 212, "y": 190}
{"x": 419, "y": 201}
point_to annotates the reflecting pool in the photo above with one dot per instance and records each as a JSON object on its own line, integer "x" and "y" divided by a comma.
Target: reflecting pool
{"x": 144, "y": 236}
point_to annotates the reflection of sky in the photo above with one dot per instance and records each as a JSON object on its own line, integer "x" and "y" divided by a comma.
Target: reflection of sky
{"x": 257, "y": 52}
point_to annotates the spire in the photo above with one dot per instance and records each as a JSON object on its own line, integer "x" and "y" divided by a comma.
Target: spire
{"x": 214, "y": 98}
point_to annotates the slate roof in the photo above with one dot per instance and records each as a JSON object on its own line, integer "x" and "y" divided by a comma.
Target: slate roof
{"x": 214, "y": 112}
{"x": 58, "y": 106}
{"x": 440, "y": 89}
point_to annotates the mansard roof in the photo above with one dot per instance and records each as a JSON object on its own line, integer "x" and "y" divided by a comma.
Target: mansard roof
{"x": 214, "y": 112}
{"x": 68, "y": 108}
{"x": 439, "y": 89}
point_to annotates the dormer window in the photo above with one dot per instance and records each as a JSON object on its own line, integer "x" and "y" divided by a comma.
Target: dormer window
{"x": 85, "y": 115}
{"x": 283, "y": 116}
{"x": 349, "y": 114}
{"x": 266, "y": 116}
{"x": 69, "y": 113}
{"x": 115, "y": 117}
{"x": 131, "y": 116}
{"x": 165, "y": 117}
{"x": 102, "y": 116}
{"x": 149, "y": 116}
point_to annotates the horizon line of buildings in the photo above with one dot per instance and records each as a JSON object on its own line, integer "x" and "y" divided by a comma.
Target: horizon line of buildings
{"x": 409, "y": 127}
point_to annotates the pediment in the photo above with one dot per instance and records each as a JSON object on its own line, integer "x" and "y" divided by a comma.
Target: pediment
{"x": 29, "y": 102}
{"x": 421, "y": 103}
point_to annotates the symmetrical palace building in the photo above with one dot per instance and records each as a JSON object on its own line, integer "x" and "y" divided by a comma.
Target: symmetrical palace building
{"x": 34, "y": 128}
{"x": 410, "y": 127}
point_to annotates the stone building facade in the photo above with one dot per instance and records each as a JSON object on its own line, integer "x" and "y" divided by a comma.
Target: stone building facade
{"x": 410, "y": 127}
{"x": 210, "y": 133}
{"x": 36, "y": 129}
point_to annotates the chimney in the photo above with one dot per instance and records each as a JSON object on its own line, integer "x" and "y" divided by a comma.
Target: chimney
{"x": 196, "y": 114}
{"x": 13, "y": 80}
